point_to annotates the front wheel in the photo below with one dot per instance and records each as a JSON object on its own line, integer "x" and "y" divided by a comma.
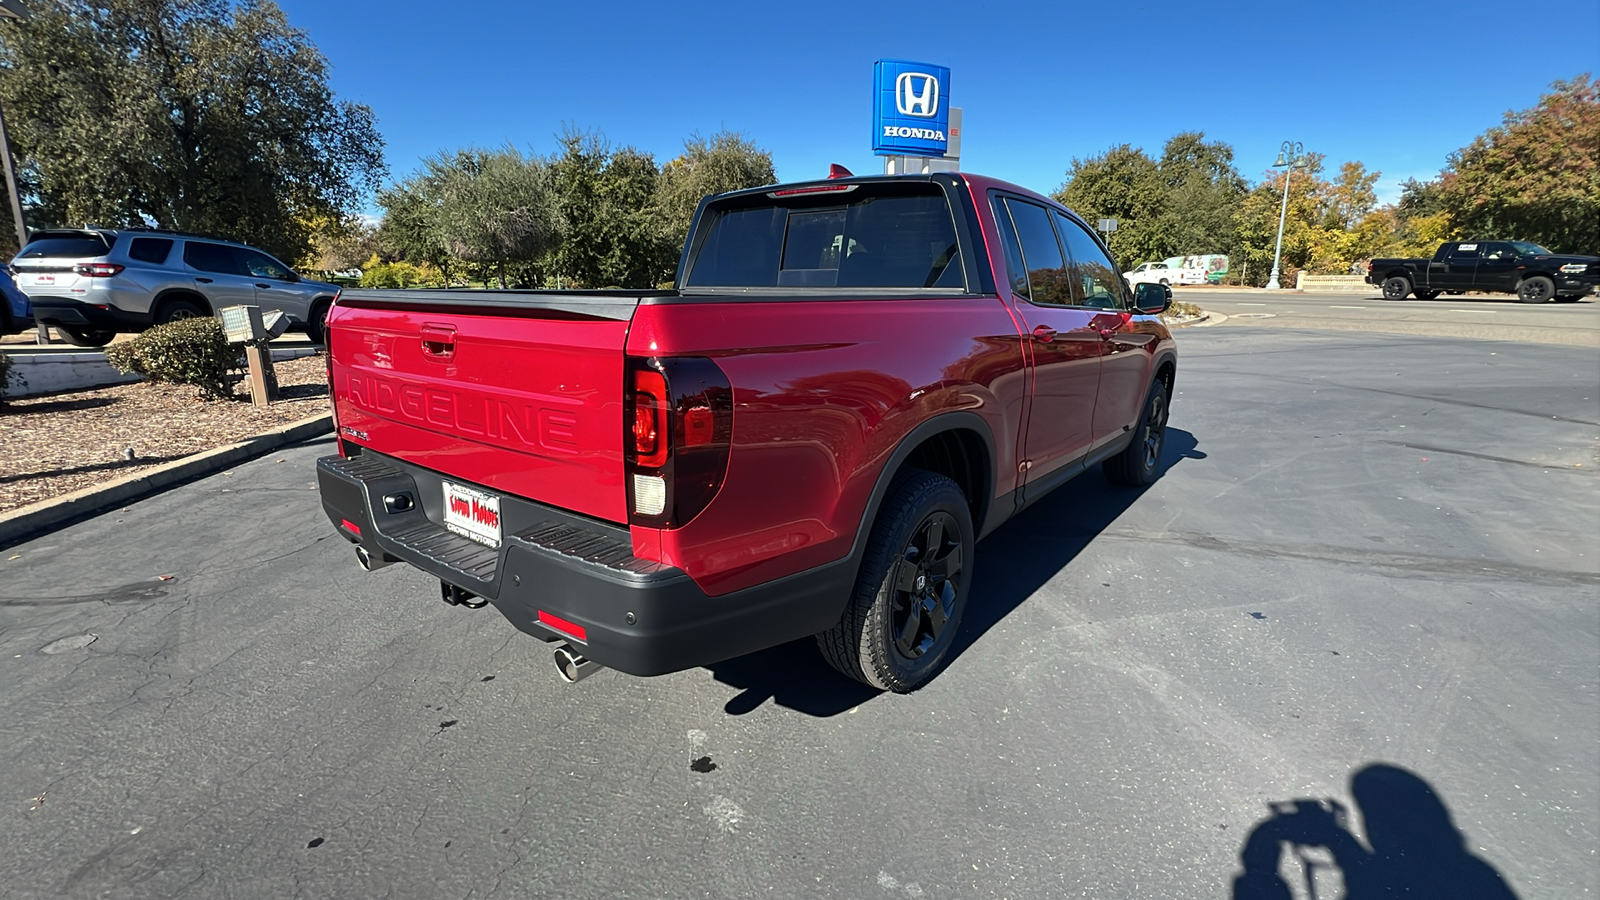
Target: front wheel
{"x": 1396, "y": 287}
{"x": 902, "y": 617}
{"x": 1537, "y": 289}
{"x": 1139, "y": 463}
{"x": 86, "y": 337}
{"x": 1426, "y": 295}
{"x": 317, "y": 327}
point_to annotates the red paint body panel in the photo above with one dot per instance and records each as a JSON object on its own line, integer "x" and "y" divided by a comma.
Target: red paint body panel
{"x": 824, "y": 391}
{"x": 527, "y": 406}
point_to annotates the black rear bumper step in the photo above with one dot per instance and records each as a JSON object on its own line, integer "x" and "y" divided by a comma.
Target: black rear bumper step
{"x": 639, "y": 616}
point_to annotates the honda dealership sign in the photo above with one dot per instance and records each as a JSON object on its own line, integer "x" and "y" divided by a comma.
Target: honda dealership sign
{"x": 910, "y": 108}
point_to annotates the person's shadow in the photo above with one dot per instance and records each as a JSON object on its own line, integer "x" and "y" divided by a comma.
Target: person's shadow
{"x": 1013, "y": 563}
{"x": 1412, "y": 850}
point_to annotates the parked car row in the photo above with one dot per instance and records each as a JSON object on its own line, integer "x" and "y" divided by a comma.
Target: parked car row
{"x": 92, "y": 283}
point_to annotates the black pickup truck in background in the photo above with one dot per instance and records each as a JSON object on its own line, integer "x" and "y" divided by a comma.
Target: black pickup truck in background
{"x": 1530, "y": 271}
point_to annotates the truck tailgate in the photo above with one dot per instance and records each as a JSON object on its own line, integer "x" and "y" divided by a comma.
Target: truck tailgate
{"x": 518, "y": 393}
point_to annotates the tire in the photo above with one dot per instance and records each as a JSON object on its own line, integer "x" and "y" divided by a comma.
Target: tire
{"x": 86, "y": 337}
{"x": 902, "y": 617}
{"x": 1164, "y": 283}
{"x": 1537, "y": 289}
{"x": 1425, "y": 295}
{"x": 1139, "y": 463}
{"x": 317, "y": 327}
{"x": 1396, "y": 287}
{"x": 174, "y": 310}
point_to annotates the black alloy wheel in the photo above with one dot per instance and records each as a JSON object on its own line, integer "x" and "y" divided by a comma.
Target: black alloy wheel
{"x": 1537, "y": 289}
{"x": 1139, "y": 463}
{"x": 1396, "y": 287}
{"x": 317, "y": 328}
{"x": 901, "y": 620}
{"x": 925, "y": 581}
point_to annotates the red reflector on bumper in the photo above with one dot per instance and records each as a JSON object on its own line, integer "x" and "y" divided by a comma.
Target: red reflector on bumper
{"x": 353, "y": 527}
{"x": 572, "y": 630}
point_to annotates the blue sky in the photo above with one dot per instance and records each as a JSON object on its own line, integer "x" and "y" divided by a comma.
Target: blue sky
{"x": 1397, "y": 85}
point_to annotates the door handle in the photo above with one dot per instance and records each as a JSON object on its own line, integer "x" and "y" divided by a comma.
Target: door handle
{"x": 263, "y": 286}
{"x": 1044, "y": 334}
{"x": 203, "y": 280}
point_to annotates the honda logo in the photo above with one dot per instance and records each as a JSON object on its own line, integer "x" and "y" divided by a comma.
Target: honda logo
{"x": 917, "y": 94}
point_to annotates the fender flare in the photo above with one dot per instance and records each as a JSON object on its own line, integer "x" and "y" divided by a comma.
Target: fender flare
{"x": 950, "y": 421}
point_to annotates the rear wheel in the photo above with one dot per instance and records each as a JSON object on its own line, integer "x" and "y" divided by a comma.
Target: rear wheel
{"x": 1139, "y": 463}
{"x": 902, "y": 617}
{"x": 1537, "y": 289}
{"x": 1396, "y": 287}
{"x": 1425, "y": 295}
{"x": 86, "y": 337}
{"x": 176, "y": 310}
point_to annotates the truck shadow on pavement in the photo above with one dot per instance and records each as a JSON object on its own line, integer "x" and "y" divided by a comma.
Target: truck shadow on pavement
{"x": 1012, "y": 563}
{"x": 1412, "y": 847}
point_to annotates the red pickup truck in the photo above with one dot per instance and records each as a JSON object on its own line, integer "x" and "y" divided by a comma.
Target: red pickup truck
{"x": 853, "y": 381}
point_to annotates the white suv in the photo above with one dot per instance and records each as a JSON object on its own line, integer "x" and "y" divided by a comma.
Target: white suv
{"x": 92, "y": 283}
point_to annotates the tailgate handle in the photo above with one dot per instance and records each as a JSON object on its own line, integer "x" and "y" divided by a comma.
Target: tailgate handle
{"x": 439, "y": 341}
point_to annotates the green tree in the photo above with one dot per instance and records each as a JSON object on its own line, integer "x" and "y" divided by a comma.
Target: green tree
{"x": 191, "y": 114}
{"x": 607, "y": 200}
{"x": 726, "y": 162}
{"x": 496, "y": 207}
{"x": 1204, "y": 190}
{"x": 1123, "y": 184}
{"x": 1536, "y": 176}
{"x": 1257, "y": 220}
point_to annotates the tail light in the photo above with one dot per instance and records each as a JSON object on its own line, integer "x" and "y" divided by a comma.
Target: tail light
{"x": 97, "y": 270}
{"x": 679, "y": 420}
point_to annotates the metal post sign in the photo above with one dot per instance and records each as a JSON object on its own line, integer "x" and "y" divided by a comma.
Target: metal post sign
{"x": 910, "y": 108}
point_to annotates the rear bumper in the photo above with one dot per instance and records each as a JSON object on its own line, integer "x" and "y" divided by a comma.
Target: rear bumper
{"x": 638, "y": 616}
{"x": 71, "y": 313}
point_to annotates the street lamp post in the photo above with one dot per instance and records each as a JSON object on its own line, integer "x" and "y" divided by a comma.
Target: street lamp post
{"x": 1290, "y": 157}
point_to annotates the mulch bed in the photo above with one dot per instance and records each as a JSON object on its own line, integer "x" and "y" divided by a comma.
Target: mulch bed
{"x": 60, "y": 443}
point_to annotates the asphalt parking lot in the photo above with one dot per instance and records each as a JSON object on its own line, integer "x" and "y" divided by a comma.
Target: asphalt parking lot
{"x": 1373, "y": 559}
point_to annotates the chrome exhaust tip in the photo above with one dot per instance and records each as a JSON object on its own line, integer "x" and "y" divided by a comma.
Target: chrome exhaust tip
{"x": 372, "y": 563}
{"x": 573, "y": 667}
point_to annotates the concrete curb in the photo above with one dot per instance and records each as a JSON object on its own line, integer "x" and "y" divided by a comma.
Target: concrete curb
{"x": 46, "y": 515}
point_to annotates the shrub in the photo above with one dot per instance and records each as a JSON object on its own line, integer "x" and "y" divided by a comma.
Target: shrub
{"x": 188, "y": 351}
{"x": 5, "y": 376}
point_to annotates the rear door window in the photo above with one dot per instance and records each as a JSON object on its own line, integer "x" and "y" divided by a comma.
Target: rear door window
{"x": 869, "y": 236}
{"x": 150, "y": 250}
{"x": 64, "y": 247}
{"x": 1049, "y": 282}
{"x": 208, "y": 257}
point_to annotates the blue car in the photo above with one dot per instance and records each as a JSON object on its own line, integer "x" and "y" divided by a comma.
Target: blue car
{"x": 16, "y": 314}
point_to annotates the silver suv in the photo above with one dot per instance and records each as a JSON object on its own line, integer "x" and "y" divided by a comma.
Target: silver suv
{"x": 92, "y": 283}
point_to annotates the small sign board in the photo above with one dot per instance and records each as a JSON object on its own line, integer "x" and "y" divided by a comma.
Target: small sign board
{"x": 1107, "y": 226}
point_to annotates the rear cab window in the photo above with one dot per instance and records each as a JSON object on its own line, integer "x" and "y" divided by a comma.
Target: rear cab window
{"x": 870, "y": 235}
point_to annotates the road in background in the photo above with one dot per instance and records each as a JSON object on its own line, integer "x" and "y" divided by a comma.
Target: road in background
{"x": 1482, "y": 316}
{"x": 1367, "y": 549}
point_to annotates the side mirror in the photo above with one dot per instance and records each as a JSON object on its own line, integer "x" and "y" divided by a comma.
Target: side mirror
{"x": 293, "y": 277}
{"x": 1151, "y": 298}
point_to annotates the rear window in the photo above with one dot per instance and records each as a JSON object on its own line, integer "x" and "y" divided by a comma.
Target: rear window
{"x": 70, "y": 247}
{"x": 150, "y": 250}
{"x": 876, "y": 235}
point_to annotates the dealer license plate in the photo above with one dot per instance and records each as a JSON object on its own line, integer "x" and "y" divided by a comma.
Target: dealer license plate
{"x": 44, "y": 279}
{"x": 472, "y": 513}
